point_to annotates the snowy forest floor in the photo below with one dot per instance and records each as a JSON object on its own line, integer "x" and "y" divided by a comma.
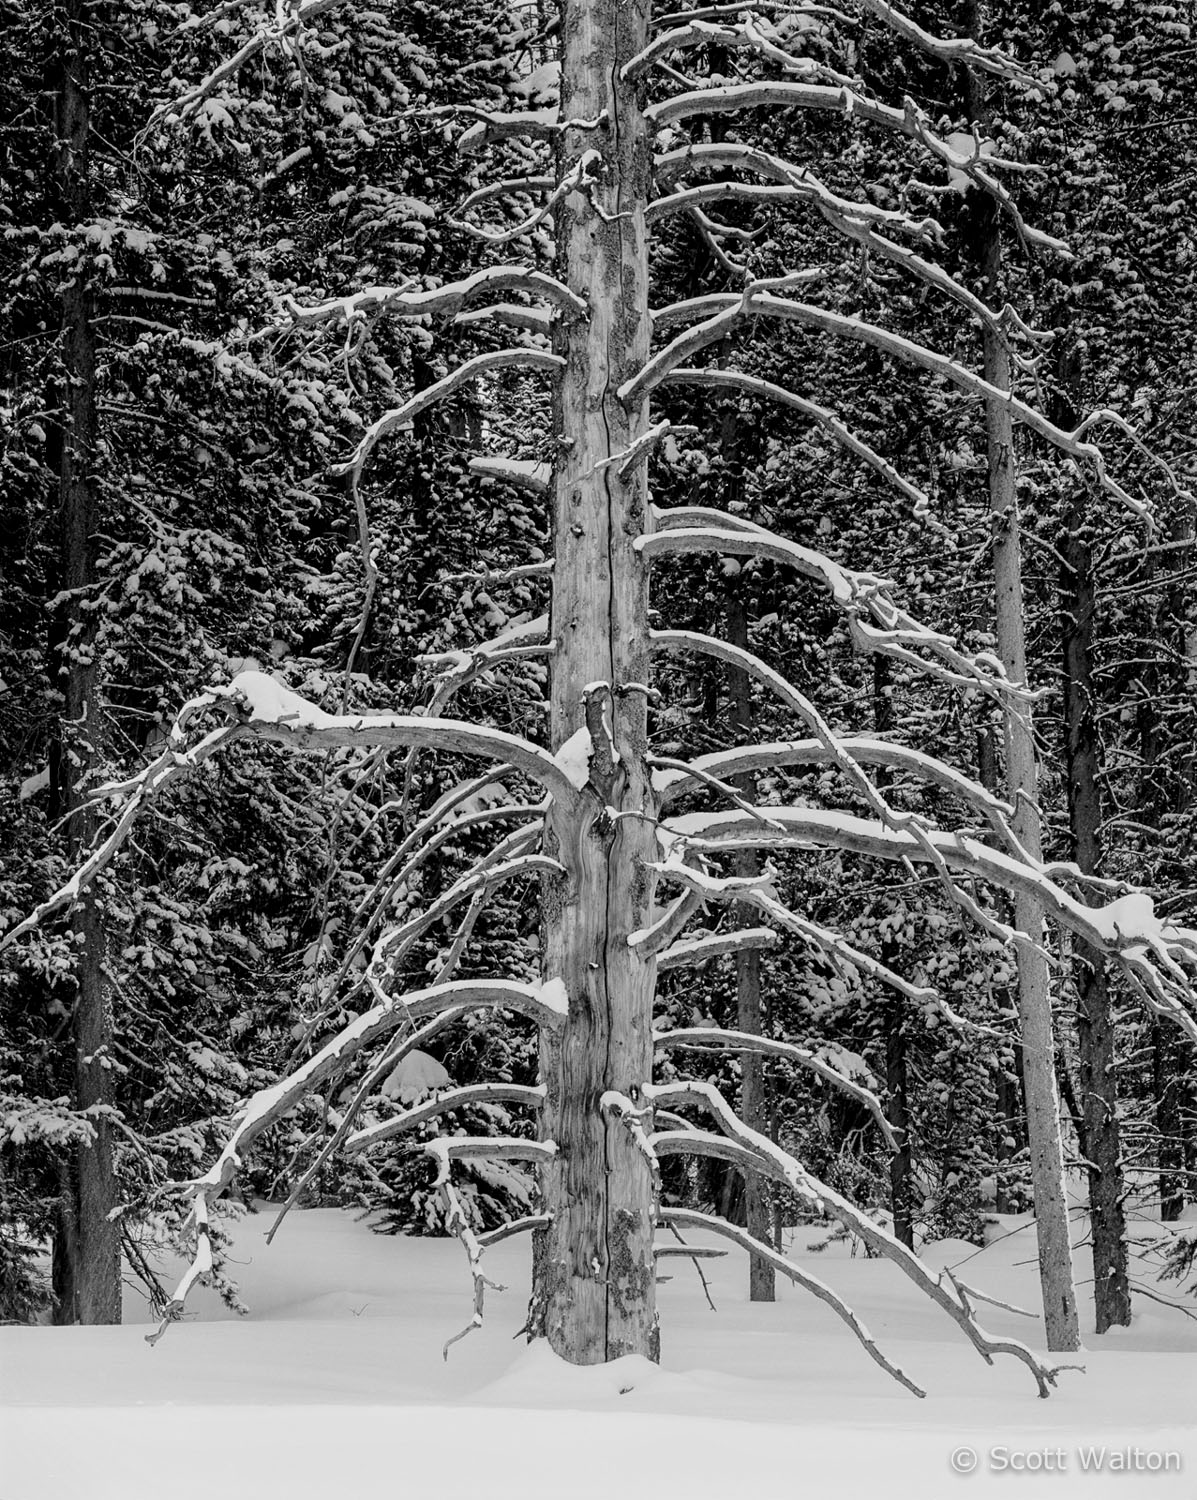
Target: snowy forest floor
{"x": 335, "y": 1386}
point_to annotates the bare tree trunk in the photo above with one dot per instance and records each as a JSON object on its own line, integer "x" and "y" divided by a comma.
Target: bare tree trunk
{"x": 86, "y": 1253}
{"x": 595, "y": 1297}
{"x": 754, "y": 1082}
{"x": 1034, "y": 1000}
{"x": 1098, "y": 1128}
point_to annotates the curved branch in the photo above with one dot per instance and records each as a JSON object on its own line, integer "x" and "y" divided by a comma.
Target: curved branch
{"x": 439, "y": 1104}
{"x": 744, "y": 760}
{"x": 910, "y": 121}
{"x": 690, "y": 1218}
{"x": 727, "y": 309}
{"x": 748, "y": 1149}
{"x": 527, "y": 475}
{"x": 400, "y": 417}
{"x": 699, "y": 950}
{"x": 963, "y": 50}
{"x": 894, "y": 635}
{"x": 709, "y": 1039}
{"x": 447, "y": 300}
{"x": 1151, "y": 952}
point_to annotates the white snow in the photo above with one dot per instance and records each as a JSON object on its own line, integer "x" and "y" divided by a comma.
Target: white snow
{"x": 335, "y": 1385}
{"x": 414, "y": 1076}
{"x": 33, "y": 784}
{"x": 554, "y": 994}
{"x": 574, "y": 757}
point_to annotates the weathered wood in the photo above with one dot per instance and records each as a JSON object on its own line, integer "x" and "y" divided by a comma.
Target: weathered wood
{"x": 594, "y": 1295}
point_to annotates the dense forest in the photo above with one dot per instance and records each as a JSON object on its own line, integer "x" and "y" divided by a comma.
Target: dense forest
{"x": 845, "y": 765}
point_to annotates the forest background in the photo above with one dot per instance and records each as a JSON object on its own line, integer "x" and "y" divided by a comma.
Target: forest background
{"x": 155, "y": 263}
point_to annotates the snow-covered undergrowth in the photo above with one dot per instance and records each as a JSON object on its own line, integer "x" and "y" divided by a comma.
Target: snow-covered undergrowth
{"x": 335, "y": 1385}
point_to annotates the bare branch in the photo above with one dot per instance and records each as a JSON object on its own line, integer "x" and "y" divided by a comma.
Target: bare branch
{"x": 963, "y": 50}
{"x": 655, "y": 939}
{"x": 699, "y": 950}
{"x": 748, "y": 1149}
{"x": 910, "y": 121}
{"x": 857, "y": 594}
{"x": 727, "y": 309}
{"x": 524, "y": 474}
{"x": 710, "y": 1039}
{"x": 439, "y": 1104}
{"x": 400, "y": 417}
{"x": 1153, "y": 953}
{"x": 444, "y": 301}
{"x": 691, "y": 1219}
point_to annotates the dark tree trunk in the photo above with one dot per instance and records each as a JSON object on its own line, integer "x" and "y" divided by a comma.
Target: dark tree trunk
{"x": 754, "y": 1083}
{"x": 1098, "y": 1128}
{"x": 86, "y": 1252}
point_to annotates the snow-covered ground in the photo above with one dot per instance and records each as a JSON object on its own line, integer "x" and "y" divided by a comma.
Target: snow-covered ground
{"x": 335, "y": 1386}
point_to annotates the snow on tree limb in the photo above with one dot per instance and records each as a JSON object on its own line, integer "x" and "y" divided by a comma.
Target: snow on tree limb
{"x": 1151, "y": 952}
{"x": 910, "y": 121}
{"x": 439, "y": 1104}
{"x": 753, "y": 385}
{"x": 728, "y": 309}
{"x": 400, "y": 417}
{"x": 866, "y": 749}
{"x": 690, "y": 1218}
{"x": 442, "y": 301}
{"x": 525, "y": 474}
{"x": 711, "y": 1039}
{"x": 699, "y": 949}
{"x": 962, "y": 50}
{"x": 895, "y": 634}
{"x": 748, "y": 1149}
{"x": 288, "y": 23}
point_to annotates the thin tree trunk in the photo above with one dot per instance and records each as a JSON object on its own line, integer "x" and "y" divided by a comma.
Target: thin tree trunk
{"x": 86, "y": 1255}
{"x": 1034, "y": 1000}
{"x": 897, "y": 1083}
{"x": 754, "y": 1082}
{"x": 595, "y": 1284}
{"x": 1098, "y": 1130}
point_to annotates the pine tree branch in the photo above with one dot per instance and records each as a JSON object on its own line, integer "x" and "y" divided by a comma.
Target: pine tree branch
{"x": 442, "y": 301}
{"x": 700, "y": 949}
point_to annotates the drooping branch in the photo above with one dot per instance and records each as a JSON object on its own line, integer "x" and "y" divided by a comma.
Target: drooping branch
{"x": 962, "y": 50}
{"x": 400, "y": 417}
{"x": 730, "y": 764}
{"x": 442, "y": 301}
{"x": 754, "y": 1152}
{"x": 726, "y": 310}
{"x": 439, "y": 1104}
{"x": 711, "y": 1039}
{"x": 525, "y": 474}
{"x": 1154, "y": 954}
{"x": 712, "y": 945}
{"x": 910, "y": 121}
{"x": 690, "y": 1218}
{"x": 895, "y": 633}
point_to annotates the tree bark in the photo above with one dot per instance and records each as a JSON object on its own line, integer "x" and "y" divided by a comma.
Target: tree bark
{"x": 594, "y": 1295}
{"x": 1034, "y": 1000}
{"x": 1099, "y": 1131}
{"x": 754, "y": 1082}
{"x": 86, "y": 1251}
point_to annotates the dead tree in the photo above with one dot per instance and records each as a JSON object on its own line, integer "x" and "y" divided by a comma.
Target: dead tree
{"x": 624, "y": 868}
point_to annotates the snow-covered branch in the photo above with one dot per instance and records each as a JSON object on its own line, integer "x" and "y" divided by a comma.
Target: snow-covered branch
{"x": 288, "y": 23}
{"x": 439, "y": 1104}
{"x": 698, "y": 950}
{"x": 442, "y": 301}
{"x": 962, "y": 50}
{"x": 910, "y": 121}
{"x": 726, "y": 310}
{"x": 750, "y": 1150}
{"x": 526, "y": 474}
{"x": 689, "y": 1218}
{"x": 929, "y": 769}
{"x": 668, "y": 927}
{"x": 400, "y": 417}
{"x": 895, "y": 633}
{"x": 710, "y": 1039}
{"x": 1156, "y": 956}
